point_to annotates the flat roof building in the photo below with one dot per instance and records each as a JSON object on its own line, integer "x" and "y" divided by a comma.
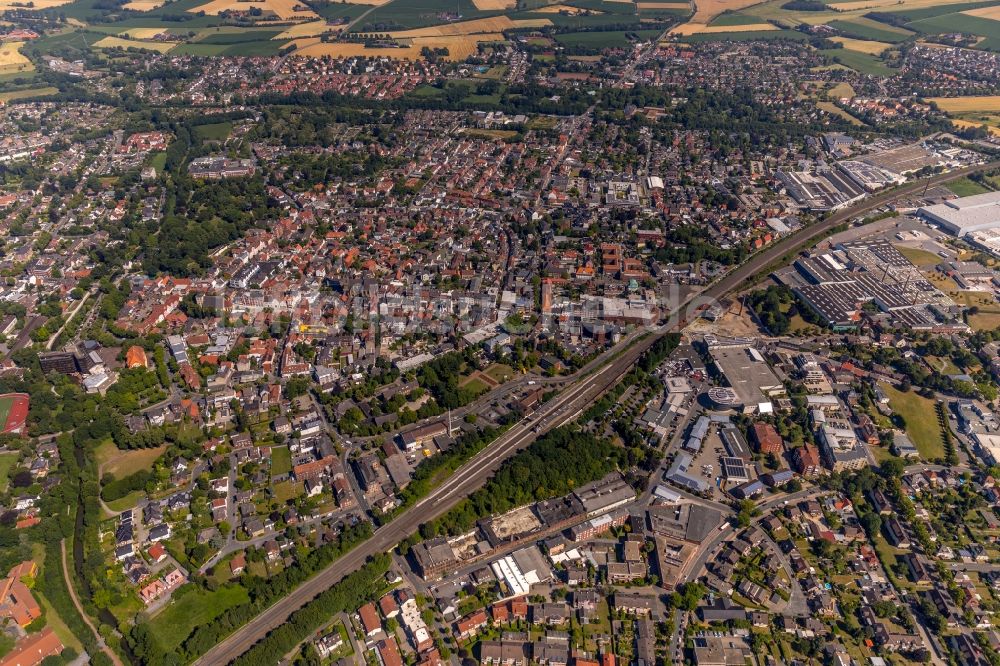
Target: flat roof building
{"x": 965, "y": 214}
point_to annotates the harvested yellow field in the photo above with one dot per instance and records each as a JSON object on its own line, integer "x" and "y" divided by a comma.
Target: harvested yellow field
{"x": 38, "y": 4}
{"x": 862, "y": 45}
{"x": 967, "y": 104}
{"x": 962, "y": 124}
{"x": 285, "y": 10}
{"x": 493, "y": 24}
{"x": 531, "y": 23}
{"x": 494, "y": 5}
{"x": 706, "y": 10}
{"x": 308, "y": 29}
{"x": 117, "y": 42}
{"x": 557, "y": 9}
{"x": 144, "y": 5}
{"x": 141, "y": 33}
{"x": 992, "y": 13}
{"x": 12, "y": 60}
{"x": 459, "y": 47}
{"x": 662, "y": 5}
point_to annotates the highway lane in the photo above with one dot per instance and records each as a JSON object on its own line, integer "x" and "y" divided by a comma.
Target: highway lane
{"x": 558, "y": 411}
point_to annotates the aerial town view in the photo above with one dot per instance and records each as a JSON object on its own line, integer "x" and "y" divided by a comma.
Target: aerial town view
{"x": 500, "y": 332}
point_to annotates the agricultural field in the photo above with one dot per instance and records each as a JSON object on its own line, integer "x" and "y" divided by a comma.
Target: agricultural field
{"x": 706, "y": 10}
{"x": 39, "y": 4}
{"x": 865, "y": 28}
{"x": 12, "y": 60}
{"x": 969, "y": 104}
{"x": 308, "y": 29}
{"x": 118, "y": 42}
{"x": 494, "y": 5}
{"x": 671, "y": 6}
{"x": 459, "y": 47}
{"x": 141, "y": 33}
{"x": 749, "y": 35}
{"x": 861, "y": 62}
{"x": 604, "y": 40}
{"x": 408, "y": 14}
{"x": 143, "y": 5}
{"x": 478, "y": 26}
{"x": 556, "y": 9}
{"x": 734, "y": 18}
{"x": 992, "y": 122}
{"x": 283, "y": 9}
{"x": 863, "y": 46}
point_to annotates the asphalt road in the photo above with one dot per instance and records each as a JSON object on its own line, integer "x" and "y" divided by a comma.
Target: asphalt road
{"x": 562, "y": 409}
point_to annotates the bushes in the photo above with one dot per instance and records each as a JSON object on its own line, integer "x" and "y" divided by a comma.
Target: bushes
{"x": 119, "y": 488}
{"x": 441, "y": 376}
{"x": 359, "y": 587}
{"x": 263, "y": 593}
{"x": 553, "y": 465}
{"x": 435, "y": 469}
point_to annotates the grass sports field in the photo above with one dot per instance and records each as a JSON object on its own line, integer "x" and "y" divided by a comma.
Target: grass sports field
{"x": 13, "y": 411}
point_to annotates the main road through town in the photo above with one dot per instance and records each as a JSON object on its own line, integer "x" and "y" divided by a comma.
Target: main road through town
{"x": 560, "y": 410}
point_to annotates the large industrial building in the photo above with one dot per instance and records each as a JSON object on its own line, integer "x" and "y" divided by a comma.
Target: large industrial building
{"x": 838, "y": 284}
{"x": 966, "y": 214}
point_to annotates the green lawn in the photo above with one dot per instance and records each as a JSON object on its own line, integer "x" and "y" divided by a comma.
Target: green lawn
{"x": 921, "y": 421}
{"x": 118, "y": 463}
{"x": 919, "y": 257}
{"x": 476, "y": 385}
{"x": 127, "y": 502}
{"x": 158, "y": 162}
{"x": 7, "y": 461}
{"x": 213, "y": 131}
{"x": 499, "y": 372}
{"x": 281, "y": 460}
{"x": 194, "y": 608}
{"x": 287, "y": 490}
{"x": 964, "y": 187}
